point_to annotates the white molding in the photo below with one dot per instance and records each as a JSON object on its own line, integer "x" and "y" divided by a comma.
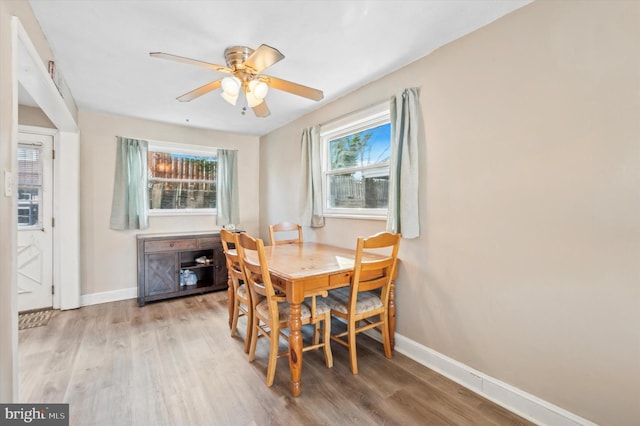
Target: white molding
{"x": 108, "y": 296}
{"x": 35, "y": 79}
{"x": 518, "y": 401}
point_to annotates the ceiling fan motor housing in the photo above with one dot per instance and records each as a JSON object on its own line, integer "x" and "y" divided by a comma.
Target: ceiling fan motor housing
{"x": 236, "y": 55}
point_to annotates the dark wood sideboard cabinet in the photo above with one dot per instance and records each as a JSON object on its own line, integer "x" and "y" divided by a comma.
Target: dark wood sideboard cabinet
{"x": 163, "y": 258}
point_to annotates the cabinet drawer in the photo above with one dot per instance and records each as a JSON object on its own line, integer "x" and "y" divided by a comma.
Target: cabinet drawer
{"x": 207, "y": 243}
{"x": 170, "y": 245}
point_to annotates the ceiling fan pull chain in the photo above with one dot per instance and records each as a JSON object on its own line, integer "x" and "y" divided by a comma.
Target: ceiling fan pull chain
{"x": 244, "y": 107}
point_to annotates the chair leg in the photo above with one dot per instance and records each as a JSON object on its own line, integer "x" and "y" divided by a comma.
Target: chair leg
{"x": 352, "y": 347}
{"x": 316, "y": 333}
{"x": 255, "y": 333}
{"x": 326, "y": 326}
{"x": 236, "y": 314}
{"x": 274, "y": 339}
{"x": 386, "y": 339}
{"x": 249, "y": 333}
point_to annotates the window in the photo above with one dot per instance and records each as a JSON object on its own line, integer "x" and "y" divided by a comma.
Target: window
{"x": 29, "y": 186}
{"x": 182, "y": 179}
{"x": 356, "y": 164}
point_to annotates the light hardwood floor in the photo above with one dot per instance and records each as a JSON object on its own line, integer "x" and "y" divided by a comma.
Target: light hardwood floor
{"x": 174, "y": 363}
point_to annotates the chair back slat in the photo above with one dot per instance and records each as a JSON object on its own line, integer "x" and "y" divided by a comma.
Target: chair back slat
{"x": 288, "y": 229}
{"x": 257, "y": 272}
{"x": 375, "y": 274}
{"x": 229, "y": 243}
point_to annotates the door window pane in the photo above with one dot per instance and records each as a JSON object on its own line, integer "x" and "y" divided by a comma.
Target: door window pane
{"x": 29, "y": 185}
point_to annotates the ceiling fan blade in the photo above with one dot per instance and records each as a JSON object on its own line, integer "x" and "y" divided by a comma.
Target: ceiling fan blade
{"x": 296, "y": 89}
{"x": 262, "y": 110}
{"x": 262, "y": 58}
{"x": 202, "y": 90}
{"x": 190, "y": 61}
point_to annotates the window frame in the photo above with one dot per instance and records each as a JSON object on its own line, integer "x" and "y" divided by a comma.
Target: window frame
{"x": 359, "y": 121}
{"x": 187, "y": 149}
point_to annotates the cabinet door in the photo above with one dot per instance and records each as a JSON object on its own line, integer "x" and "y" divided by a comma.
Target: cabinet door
{"x": 220, "y": 264}
{"x": 161, "y": 273}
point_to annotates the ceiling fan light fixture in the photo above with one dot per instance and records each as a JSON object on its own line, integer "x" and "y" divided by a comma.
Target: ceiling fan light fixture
{"x": 231, "y": 85}
{"x": 244, "y": 77}
{"x": 253, "y": 100}
{"x": 232, "y": 99}
{"x": 258, "y": 88}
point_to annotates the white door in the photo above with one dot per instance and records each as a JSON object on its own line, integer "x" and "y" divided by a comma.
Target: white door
{"x": 35, "y": 236}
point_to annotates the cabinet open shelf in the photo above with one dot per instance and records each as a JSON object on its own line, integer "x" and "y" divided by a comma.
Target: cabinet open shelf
{"x": 195, "y": 265}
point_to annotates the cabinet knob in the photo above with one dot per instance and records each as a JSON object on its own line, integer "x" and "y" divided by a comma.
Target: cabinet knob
{"x": 171, "y": 244}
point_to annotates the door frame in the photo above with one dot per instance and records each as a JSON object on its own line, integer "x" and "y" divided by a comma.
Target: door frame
{"x": 35, "y": 79}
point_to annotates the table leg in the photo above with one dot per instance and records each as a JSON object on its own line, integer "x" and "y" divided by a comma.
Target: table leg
{"x": 392, "y": 315}
{"x": 295, "y": 348}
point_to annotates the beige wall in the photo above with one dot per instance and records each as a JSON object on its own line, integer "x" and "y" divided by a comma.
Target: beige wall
{"x": 108, "y": 259}
{"x": 32, "y": 116}
{"x": 527, "y": 268}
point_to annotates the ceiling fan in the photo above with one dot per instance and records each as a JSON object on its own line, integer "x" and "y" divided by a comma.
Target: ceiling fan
{"x": 244, "y": 69}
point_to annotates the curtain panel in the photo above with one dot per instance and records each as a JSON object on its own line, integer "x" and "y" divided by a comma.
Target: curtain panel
{"x": 311, "y": 199}
{"x": 403, "y": 215}
{"x": 130, "y": 204}
{"x": 228, "y": 196}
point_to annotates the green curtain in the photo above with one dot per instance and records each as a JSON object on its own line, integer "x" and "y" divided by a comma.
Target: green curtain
{"x": 406, "y": 130}
{"x": 311, "y": 212}
{"x": 130, "y": 204}
{"x": 227, "y": 194}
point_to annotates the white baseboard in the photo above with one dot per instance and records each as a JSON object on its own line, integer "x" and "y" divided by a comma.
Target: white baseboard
{"x": 526, "y": 405}
{"x": 108, "y": 296}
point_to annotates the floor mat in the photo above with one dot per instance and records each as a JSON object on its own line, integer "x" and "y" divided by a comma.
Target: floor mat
{"x": 34, "y": 319}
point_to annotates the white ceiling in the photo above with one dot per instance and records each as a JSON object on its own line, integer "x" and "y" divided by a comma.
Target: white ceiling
{"x": 102, "y": 49}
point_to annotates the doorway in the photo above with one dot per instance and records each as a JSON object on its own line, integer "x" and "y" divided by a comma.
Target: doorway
{"x": 35, "y": 234}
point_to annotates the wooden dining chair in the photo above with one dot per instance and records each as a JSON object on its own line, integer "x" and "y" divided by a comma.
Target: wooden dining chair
{"x": 271, "y": 315}
{"x": 364, "y": 305}
{"x": 240, "y": 295}
{"x": 288, "y": 230}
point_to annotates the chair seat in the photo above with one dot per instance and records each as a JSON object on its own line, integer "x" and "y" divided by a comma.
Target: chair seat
{"x": 305, "y": 309}
{"x": 338, "y": 300}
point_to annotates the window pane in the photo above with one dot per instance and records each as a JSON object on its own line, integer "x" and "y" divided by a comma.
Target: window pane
{"x": 29, "y": 185}
{"x": 179, "y": 181}
{"x": 368, "y": 147}
{"x": 366, "y": 189}
{"x": 181, "y": 195}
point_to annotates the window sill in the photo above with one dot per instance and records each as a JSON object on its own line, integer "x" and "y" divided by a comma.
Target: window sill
{"x": 355, "y": 216}
{"x": 183, "y": 212}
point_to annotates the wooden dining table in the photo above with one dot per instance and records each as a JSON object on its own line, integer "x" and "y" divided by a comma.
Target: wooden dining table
{"x": 300, "y": 270}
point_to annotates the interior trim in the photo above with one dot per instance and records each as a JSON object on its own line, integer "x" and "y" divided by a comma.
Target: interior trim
{"x": 516, "y": 400}
{"x": 108, "y": 296}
